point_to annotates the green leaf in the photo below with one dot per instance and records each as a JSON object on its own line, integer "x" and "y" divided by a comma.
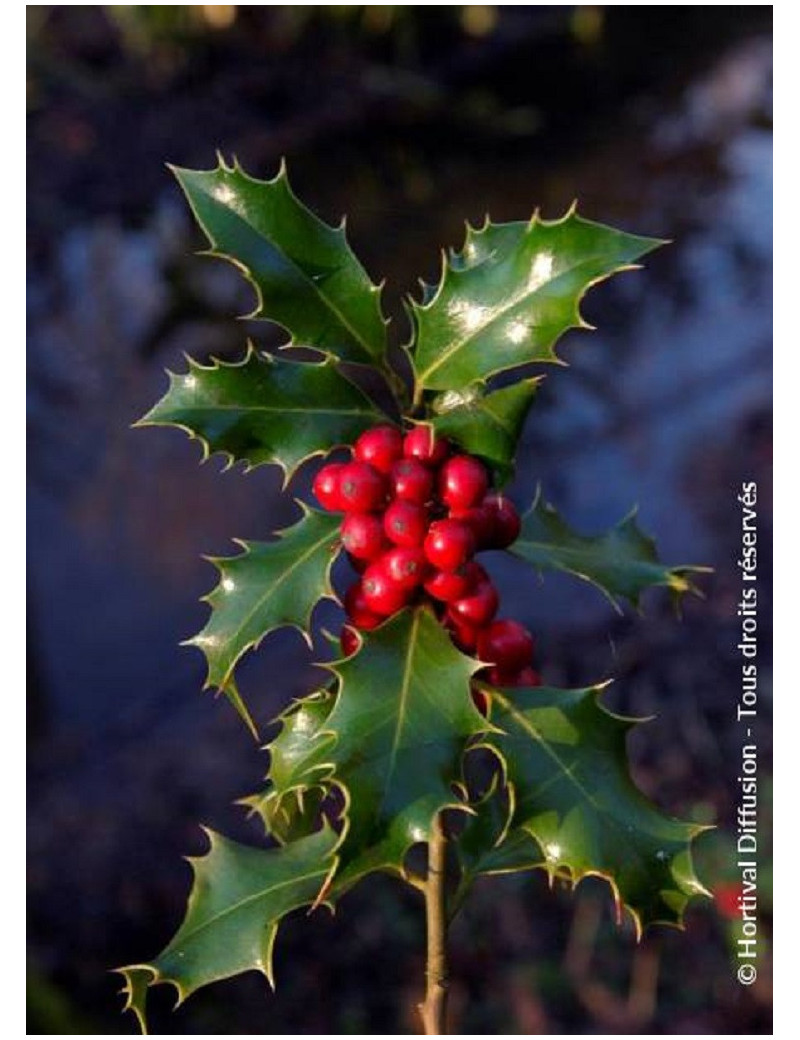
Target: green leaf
{"x": 288, "y": 817}
{"x": 269, "y": 585}
{"x": 239, "y": 897}
{"x": 298, "y": 769}
{"x": 297, "y": 753}
{"x": 305, "y": 275}
{"x": 622, "y": 562}
{"x": 575, "y": 809}
{"x": 486, "y": 424}
{"x": 507, "y": 298}
{"x": 137, "y": 980}
{"x": 484, "y": 828}
{"x": 401, "y": 717}
{"x": 265, "y": 410}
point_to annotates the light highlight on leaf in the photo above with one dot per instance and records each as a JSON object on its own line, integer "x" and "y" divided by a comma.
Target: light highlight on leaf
{"x": 511, "y": 293}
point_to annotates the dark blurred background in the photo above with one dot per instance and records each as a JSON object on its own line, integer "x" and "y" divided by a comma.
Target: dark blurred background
{"x": 408, "y": 119}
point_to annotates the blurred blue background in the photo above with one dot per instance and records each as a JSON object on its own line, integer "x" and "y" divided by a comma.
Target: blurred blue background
{"x": 410, "y": 120}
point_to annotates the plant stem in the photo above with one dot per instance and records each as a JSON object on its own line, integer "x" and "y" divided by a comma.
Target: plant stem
{"x": 416, "y": 401}
{"x": 434, "y": 1008}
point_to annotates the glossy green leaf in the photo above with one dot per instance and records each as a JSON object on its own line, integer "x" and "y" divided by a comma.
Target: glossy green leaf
{"x": 137, "y": 980}
{"x": 268, "y": 585}
{"x": 575, "y": 810}
{"x": 239, "y": 897}
{"x": 288, "y": 817}
{"x": 299, "y": 767}
{"x": 401, "y": 717}
{"x": 265, "y": 409}
{"x": 484, "y": 829}
{"x": 299, "y": 750}
{"x": 622, "y": 562}
{"x": 486, "y": 424}
{"x": 305, "y": 275}
{"x": 511, "y": 293}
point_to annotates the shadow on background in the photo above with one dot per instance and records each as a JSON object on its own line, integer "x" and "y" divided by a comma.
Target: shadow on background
{"x": 411, "y": 120}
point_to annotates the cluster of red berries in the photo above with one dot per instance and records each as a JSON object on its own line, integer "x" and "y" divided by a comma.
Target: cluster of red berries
{"x": 415, "y": 515}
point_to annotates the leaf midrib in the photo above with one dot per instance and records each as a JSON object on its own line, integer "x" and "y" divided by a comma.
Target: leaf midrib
{"x": 401, "y": 711}
{"x": 524, "y": 723}
{"x": 251, "y": 899}
{"x": 498, "y": 421}
{"x": 554, "y": 551}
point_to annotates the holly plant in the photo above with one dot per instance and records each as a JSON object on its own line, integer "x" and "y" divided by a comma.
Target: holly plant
{"x": 428, "y": 682}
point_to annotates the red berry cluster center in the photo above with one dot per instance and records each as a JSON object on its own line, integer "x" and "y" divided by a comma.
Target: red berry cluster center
{"x": 416, "y": 514}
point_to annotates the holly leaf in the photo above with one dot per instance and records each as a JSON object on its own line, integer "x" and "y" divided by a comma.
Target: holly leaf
{"x": 298, "y": 768}
{"x": 270, "y": 584}
{"x": 484, "y": 828}
{"x": 265, "y": 410}
{"x": 511, "y": 293}
{"x": 288, "y": 817}
{"x": 298, "y": 752}
{"x": 486, "y": 424}
{"x": 239, "y": 897}
{"x": 137, "y": 979}
{"x": 306, "y": 277}
{"x": 621, "y": 562}
{"x": 575, "y": 810}
{"x": 401, "y": 717}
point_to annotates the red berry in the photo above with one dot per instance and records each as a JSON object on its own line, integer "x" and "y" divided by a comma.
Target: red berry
{"x": 449, "y": 585}
{"x": 479, "y": 606}
{"x": 411, "y": 481}
{"x": 361, "y": 488}
{"x": 381, "y": 594}
{"x": 350, "y": 640}
{"x": 423, "y": 444}
{"x": 381, "y": 447}
{"x": 326, "y": 487}
{"x": 528, "y": 677}
{"x": 506, "y": 644}
{"x": 406, "y": 567}
{"x": 405, "y": 523}
{"x": 462, "y": 482}
{"x": 505, "y": 520}
{"x": 464, "y": 635}
{"x": 449, "y": 544}
{"x": 476, "y": 573}
{"x": 481, "y": 519}
{"x": 362, "y": 535}
{"x": 358, "y": 610}
{"x": 497, "y": 677}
